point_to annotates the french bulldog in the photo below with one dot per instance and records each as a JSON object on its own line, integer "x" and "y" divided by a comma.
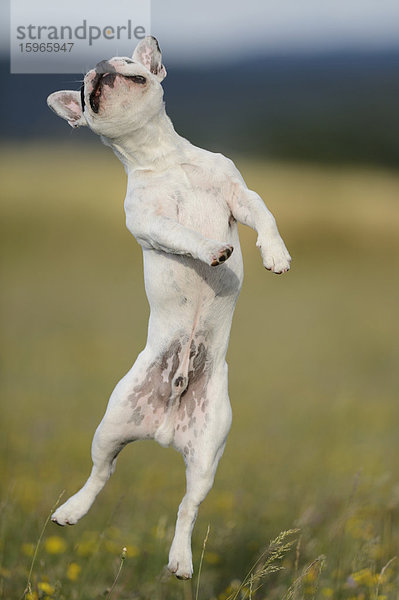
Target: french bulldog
{"x": 182, "y": 205}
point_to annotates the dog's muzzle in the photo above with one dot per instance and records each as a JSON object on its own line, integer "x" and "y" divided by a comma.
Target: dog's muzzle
{"x": 100, "y": 80}
{"x": 106, "y": 75}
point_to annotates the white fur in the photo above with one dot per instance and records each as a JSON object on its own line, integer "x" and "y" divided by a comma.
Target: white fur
{"x": 182, "y": 205}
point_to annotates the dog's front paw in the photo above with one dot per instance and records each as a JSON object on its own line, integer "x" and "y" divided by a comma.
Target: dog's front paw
{"x": 221, "y": 255}
{"x": 275, "y": 255}
{"x": 216, "y": 254}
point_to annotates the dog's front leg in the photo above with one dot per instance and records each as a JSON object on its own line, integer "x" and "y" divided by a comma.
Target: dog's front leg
{"x": 248, "y": 208}
{"x": 163, "y": 233}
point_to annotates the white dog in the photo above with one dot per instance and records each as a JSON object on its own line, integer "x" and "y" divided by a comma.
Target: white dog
{"x": 182, "y": 206}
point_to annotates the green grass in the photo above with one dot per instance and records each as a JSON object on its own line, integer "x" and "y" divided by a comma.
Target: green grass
{"x": 313, "y": 382}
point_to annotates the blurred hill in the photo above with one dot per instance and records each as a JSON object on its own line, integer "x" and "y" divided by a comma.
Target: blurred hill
{"x": 339, "y": 107}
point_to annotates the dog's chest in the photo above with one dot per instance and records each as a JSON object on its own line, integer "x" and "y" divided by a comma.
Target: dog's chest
{"x": 194, "y": 197}
{"x": 203, "y": 210}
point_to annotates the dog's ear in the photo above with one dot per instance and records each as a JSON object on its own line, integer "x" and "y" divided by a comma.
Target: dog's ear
{"x": 67, "y": 105}
{"x": 149, "y": 54}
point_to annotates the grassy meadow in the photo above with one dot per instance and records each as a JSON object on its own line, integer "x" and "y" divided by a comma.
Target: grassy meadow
{"x": 314, "y": 385}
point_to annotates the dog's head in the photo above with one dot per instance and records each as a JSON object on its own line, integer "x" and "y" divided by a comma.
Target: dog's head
{"x": 118, "y": 96}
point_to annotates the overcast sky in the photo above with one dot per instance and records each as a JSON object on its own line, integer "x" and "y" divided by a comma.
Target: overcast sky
{"x": 217, "y": 29}
{"x": 225, "y": 27}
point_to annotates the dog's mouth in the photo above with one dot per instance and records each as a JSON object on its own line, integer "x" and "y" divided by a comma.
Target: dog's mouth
{"x": 102, "y": 79}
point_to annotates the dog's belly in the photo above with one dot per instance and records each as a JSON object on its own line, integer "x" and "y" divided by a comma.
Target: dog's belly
{"x": 192, "y": 306}
{"x": 187, "y": 295}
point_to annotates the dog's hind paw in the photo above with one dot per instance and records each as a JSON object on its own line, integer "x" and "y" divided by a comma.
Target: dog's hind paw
{"x": 182, "y": 570}
{"x": 180, "y": 560}
{"x": 70, "y": 512}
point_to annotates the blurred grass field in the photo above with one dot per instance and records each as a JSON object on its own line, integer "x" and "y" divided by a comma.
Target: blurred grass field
{"x": 313, "y": 371}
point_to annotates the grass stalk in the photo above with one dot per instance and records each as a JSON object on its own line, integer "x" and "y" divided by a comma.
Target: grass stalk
{"x": 28, "y": 588}
{"x": 265, "y": 563}
{"x": 381, "y": 575}
{"x": 123, "y": 557}
{"x": 201, "y": 561}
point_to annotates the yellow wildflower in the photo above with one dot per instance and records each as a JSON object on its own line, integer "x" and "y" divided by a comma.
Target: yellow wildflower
{"x": 45, "y": 587}
{"x": 55, "y": 545}
{"x": 327, "y": 592}
{"x": 73, "y": 571}
{"x": 365, "y": 577}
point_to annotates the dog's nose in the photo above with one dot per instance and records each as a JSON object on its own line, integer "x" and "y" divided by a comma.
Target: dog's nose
{"x": 104, "y": 67}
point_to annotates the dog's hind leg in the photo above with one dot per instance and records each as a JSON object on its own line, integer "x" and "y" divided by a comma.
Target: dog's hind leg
{"x": 105, "y": 450}
{"x": 200, "y": 479}
{"x": 202, "y": 450}
{"x": 111, "y": 436}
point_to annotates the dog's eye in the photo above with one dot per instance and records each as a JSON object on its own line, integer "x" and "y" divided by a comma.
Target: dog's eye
{"x": 138, "y": 79}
